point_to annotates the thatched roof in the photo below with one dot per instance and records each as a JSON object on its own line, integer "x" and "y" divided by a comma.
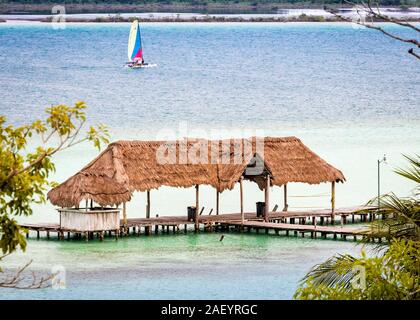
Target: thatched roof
{"x": 127, "y": 166}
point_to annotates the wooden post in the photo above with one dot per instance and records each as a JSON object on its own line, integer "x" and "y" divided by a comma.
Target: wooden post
{"x": 217, "y": 202}
{"x": 242, "y": 199}
{"x": 332, "y": 202}
{"x": 267, "y": 198}
{"x": 124, "y": 215}
{"x": 285, "y": 198}
{"x": 197, "y": 206}
{"x": 148, "y": 205}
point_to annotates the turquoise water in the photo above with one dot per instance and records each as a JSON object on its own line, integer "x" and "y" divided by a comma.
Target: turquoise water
{"x": 350, "y": 94}
{"x": 245, "y": 266}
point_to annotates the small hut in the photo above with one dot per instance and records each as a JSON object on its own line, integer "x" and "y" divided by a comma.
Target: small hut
{"x": 129, "y": 166}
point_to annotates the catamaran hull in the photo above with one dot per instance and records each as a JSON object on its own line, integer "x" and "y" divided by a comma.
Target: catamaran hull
{"x": 137, "y": 66}
{"x": 140, "y": 66}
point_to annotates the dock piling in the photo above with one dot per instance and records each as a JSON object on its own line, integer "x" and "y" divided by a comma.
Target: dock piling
{"x": 279, "y": 221}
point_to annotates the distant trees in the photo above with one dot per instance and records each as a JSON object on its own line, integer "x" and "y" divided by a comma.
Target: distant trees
{"x": 203, "y": 2}
{"x": 113, "y": 6}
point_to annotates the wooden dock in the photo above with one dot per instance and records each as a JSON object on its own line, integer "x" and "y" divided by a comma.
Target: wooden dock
{"x": 301, "y": 229}
{"x": 315, "y": 222}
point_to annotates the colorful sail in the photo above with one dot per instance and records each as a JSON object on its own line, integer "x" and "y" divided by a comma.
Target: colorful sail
{"x": 135, "y": 51}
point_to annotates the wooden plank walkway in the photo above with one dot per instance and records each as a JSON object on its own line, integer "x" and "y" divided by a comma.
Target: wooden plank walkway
{"x": 300, "y": 228}
{"x": 232, "y": 219}
{"x": 177, "y": 220}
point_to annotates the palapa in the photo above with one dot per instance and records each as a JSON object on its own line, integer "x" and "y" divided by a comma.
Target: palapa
{"x": 128, "y": 166}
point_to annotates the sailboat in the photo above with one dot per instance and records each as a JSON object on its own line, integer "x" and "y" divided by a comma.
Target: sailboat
{"x": 135, "y": 49}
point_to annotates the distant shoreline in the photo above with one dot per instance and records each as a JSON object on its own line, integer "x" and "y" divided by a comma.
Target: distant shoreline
{"x": 183, "y": 20}
{"x": 174, "y": 6}
{"x": 211, "y": 7}
{"x": 286, "y": 15}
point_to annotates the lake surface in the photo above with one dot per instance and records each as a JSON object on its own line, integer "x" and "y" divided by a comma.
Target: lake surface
{"x": 350, "y": 94}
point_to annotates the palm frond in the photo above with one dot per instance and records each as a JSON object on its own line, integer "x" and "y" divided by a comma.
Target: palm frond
{"x": 413, "y": 160}
{"x": 401, "y": 224}
{"x": 402, "y": 219}
{"x": 413, "y": 171}
{"x": 337, "y": 270}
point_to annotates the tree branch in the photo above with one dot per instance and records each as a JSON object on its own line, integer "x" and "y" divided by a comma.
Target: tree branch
{"x": 17, "y": 279}
{"x": 387, "y": 18}
{"x": 370, "y": 26}
{"x": 411, "y": 51}
{"x": 367, "y": 8}
{"x": 30, "y": 165}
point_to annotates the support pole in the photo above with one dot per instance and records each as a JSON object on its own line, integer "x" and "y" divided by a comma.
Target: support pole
{"x": 379, "y": 186}
{"x": 332, "y": 202}
{"x": 148, "y": 205}
{"x": 242, "y": 199}
{"x": 197, "y": 206}
{"x": 267, "y": 198}
{"x": 124, "y": 215}
{"x": 217, "y": 201}
{"x": 286, "y": 205}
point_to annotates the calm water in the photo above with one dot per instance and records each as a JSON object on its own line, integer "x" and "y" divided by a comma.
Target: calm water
{"x": 350, "y": 94}
{"x": 179, "y": 267}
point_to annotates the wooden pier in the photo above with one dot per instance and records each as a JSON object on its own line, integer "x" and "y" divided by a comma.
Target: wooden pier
{"x": 301, "y": 229}
{"x": 125, "y": 167}
{"x": 316, "y": 222}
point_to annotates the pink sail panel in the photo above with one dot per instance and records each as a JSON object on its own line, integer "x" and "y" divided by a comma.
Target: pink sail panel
{"x": 139, "y": 54}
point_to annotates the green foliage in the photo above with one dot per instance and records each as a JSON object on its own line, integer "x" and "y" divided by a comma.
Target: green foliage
{"x": 392, "y": 276}
{"x": 24, "y": 169}
{"x": 403, "y": 3}
{"x": 413, "y": 171}
{"x": 402, "y": 219}
{"x": 203, "y": 2}
{"x": 402, "y": 215}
